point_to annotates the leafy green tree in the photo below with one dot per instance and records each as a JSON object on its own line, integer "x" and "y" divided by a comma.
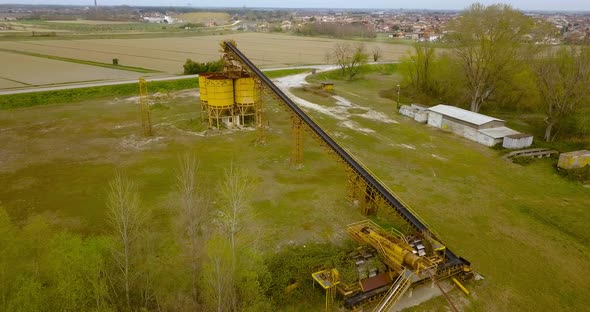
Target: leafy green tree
{"x": 563, "y": 81}
{"x": 34, "y": 237}
{"x": 21, "y": 264}
{"x": 253, "y": 280}
{"x": 75, "y": 269}
{"x": 487, "y": 42}
{"x": 28, "y": 295}
{"x": 192, "y": 68}
{"x": 418, "y": 67}
{"x": 218, "y": 275}
{"x": 8, "y": 255}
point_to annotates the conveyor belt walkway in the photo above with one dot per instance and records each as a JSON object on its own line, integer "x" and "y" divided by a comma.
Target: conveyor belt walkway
{"x": 402, "y": 210}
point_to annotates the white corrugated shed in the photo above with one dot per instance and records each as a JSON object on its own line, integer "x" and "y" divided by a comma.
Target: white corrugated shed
{"x": 462, "y": 114}
{"x": 498, "y": 133}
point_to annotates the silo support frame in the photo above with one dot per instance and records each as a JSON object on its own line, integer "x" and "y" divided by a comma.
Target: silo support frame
{"x": 204, "y": 111}
{"x": 217, "y": 113}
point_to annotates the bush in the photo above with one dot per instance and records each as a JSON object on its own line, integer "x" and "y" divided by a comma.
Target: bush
{"x": 192, "y": 68}
{"x": 578, "y": 174}
{"x": 294, "y": 264}
{"x": 522, "y": 160}
{"x": 191, "y": 25}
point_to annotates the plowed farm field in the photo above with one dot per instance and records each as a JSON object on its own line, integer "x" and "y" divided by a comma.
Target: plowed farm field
{"x": 169, "y": 54}
{"x": 22, "y": 70}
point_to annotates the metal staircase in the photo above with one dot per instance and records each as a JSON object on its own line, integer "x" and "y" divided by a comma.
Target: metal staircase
{"x": 395, "y": 293}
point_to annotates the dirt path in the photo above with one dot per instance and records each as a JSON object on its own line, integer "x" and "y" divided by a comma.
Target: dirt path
{"x": 342, "y": 110}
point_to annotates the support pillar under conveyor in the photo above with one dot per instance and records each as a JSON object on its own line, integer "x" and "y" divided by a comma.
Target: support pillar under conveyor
{"x": 259, "y": 120}
{"x": 146, "y": 118}
{"x": 297, "y": 128}
{"x": 362, "y": 195}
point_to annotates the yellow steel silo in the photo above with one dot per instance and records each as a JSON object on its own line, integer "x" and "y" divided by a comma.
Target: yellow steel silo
{"x": 203, "y": 93}
{"x": 220, "y": 99}
{"x": 247, "y": 94}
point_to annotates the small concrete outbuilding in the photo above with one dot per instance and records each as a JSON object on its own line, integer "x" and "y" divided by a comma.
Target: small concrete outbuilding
{"x": 573, "y": 160}
{"x": 417, "y": 112}
{"x": 493, "y": 136}
{"x": 517, "y": 141}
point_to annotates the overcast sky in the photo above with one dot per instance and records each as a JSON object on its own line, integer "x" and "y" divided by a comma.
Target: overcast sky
{"x": 386, "y": 4}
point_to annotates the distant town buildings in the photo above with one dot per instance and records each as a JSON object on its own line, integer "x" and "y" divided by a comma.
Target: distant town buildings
{"x": 417, "y": 25}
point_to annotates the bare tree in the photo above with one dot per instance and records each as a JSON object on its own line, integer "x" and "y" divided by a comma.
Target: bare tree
{"x": 126, "y": 218}
{"x": 235, "y": 193}
{"x": 217, "y": 275}
{"x": 377, "y": 53}
{"x": 488, "y": 44}
{"x": 236, "y": 190}
{"x": 192, "y": 212}
{"x": 350, "y": 58}
{"x": 563, "y": 80}
{"x": 328, "y": 57}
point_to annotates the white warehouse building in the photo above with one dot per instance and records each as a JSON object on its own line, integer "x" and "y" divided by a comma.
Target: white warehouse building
{"x": 476, "y": 127}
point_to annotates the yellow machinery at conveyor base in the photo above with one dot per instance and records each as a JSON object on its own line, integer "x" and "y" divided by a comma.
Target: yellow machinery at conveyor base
{"x": 410, "y": 260}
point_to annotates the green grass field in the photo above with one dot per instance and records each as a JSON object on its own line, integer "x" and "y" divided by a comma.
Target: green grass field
{"x": 81, "y": 94}
{"x": 524, "y": 228}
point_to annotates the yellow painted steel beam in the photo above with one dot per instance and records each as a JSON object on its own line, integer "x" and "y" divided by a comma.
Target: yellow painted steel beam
{"x": 297, "y": 157}
{"x": 461, "y": 286}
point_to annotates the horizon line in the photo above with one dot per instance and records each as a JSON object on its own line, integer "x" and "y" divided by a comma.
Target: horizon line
{"x": 285, "y": 8}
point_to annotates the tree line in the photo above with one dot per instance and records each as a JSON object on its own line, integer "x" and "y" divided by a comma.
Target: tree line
{"x": 191, "y": 67}
{"x": 497, "y": 56}
{"x": 355, "y": 29}
{"x": 199, "y": 259}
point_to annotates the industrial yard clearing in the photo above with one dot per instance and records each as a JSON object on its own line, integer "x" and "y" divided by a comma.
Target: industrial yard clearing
{"x": 523, "y": 228}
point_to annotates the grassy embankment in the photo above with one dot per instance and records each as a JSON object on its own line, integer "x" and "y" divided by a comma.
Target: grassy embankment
{"x": 60, "y": 157}
{"x": 285, "y": 72}
{"x": 45, "y": 30}
{"x": 524, "y": 228}
{"x": 84, "y": 62}
{"x": 83, "y": 94}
